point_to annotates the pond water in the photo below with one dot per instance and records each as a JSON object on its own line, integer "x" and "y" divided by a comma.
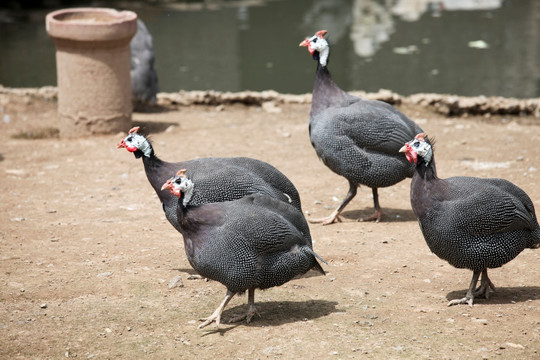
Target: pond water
{"x": 464, "y": 47}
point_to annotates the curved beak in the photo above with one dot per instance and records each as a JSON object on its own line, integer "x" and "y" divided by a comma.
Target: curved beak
{"x": 167, "y": 185}
{"x": 121, "y": 144}
{"x": 304, "y": 43}
{"x": 410, "y": 154}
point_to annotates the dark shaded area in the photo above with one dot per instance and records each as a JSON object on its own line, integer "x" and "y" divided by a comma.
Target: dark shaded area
{"x": 276, "y": 313}
{"x": 149, "y": 108}
{"x": 502, "y": 295}
{"x": 152, "y": 127}
{"x": 38, "y": 133}
{"x": 390, "y": 215}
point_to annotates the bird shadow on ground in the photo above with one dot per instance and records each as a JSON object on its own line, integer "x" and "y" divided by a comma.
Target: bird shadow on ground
{"x": 191, "y": 274}
{"x": 151, "y": 108}
{"x": 502, "y": 295}
{"x": 190, "y": 271}
{"x": 153, "y": 127}
{"x": 311, "y": 273}
{"x": 276, "y": 313}
{"x": 390, "y": 215}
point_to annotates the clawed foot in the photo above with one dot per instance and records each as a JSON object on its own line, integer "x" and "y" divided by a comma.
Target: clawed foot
{"x": 214, "y": 317}
{"x": 465, "y": 300}
{"x": 375, "y": 217}
{"x": 334, "y": 217}
{"x": 483, "y": 291}
{"x": 248, "y": 316}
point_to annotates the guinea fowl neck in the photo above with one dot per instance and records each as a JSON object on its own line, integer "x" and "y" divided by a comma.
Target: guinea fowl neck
{"x": 428, "y": 172}
{"x": 190, "y": 217}
{"x": 152, "y": 161}
{"x": 152, "y": 167}
{"x": 326, "y": 93}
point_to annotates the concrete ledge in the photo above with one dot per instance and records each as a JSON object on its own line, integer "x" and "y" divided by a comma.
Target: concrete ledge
{"x": 449, "y": 105}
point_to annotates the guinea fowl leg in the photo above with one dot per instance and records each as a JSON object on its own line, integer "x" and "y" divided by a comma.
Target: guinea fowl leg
{"x": 486, "y": 286}
{"x": 378, "y": 212}
{"x": 334, "y": 216}
{"x": 252, "y": 311}
{"x": 469, "y": 297}
{"x": 216, "y": 316}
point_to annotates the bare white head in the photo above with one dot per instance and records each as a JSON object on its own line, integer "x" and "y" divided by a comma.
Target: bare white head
{"x": 418, "y": 147}
{"x": 318, "y": 47}
{"x": 179, "y": 185}
{"x": 135, "y": 141}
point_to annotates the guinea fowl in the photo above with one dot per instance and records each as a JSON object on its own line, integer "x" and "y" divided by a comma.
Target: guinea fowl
{"x": 470, "y": 222}
{"x": 356, "y": 138}
{"x": 144, "y": 80}
{"x": 218, "y": 179}
{"x": 255, "y": 242}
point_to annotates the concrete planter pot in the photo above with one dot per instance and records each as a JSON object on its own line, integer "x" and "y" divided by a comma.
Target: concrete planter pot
{"x": 93, "y": 69}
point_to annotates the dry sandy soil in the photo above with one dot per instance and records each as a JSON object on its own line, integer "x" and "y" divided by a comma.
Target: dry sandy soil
{"x": 86, "y": 254}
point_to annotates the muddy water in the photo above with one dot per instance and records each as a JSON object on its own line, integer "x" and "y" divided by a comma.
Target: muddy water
{"x": 465, "y": 47}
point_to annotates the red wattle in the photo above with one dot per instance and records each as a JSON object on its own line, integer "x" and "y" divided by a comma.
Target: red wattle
{"x": 411, "y": 156}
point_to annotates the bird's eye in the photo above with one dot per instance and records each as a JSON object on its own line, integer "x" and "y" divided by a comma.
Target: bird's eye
{"x": 129, "y": 138}
{"x": 314, "y": 40}
{"x": 416, "y": 144}
{"x": 178, "y": 181}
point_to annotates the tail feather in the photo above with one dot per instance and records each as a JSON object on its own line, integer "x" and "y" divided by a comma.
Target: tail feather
{"x": 536, "y": 239}
{"x": 318, "y": 266}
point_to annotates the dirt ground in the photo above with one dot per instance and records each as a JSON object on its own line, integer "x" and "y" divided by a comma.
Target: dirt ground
{"x": 86, "y": 254}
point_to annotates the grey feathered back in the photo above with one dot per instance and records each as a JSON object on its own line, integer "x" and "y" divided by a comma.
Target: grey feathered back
{"x": 253, "y": 242}
{"x": 220, "y": 179}
{"x": 476, "y": 223}
{"x": 144, "y": 80}
{"x": 358, "y": 138}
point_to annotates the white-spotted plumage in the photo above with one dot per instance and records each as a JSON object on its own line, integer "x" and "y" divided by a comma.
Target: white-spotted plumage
{"x": 217, "y": 179}
{"x": 356, "y": 138}
{"x": 473, "y": 223}
{"x": 255, "y": 242}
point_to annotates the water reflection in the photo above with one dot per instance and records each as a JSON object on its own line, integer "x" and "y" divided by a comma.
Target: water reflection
{"x": 407, "y": 46}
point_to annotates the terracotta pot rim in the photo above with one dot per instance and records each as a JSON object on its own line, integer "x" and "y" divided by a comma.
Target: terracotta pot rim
{"x": 116, "y": 16}
{"x": 91, "y": 24}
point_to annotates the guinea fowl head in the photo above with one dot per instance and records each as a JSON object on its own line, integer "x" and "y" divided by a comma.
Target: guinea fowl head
{"x": 179, "y": 185}
{"x": 318, "y": 47}
{"x": 418, "y": 147}
{"x": 136, "y": 143}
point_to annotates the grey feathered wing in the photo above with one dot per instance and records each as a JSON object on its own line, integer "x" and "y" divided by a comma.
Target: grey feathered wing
{"x": 487, "y": 208}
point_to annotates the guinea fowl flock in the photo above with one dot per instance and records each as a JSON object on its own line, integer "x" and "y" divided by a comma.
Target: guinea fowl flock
{"x": 242, "y": 222}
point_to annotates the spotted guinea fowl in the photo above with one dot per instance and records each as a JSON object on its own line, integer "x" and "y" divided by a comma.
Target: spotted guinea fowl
{"x": 255, "y": 242}
{"x": 356, "y": 138}
{"x": 144, "y": 80}
{"x": 218, "y": 179}
{"x": 470, "y": 222}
